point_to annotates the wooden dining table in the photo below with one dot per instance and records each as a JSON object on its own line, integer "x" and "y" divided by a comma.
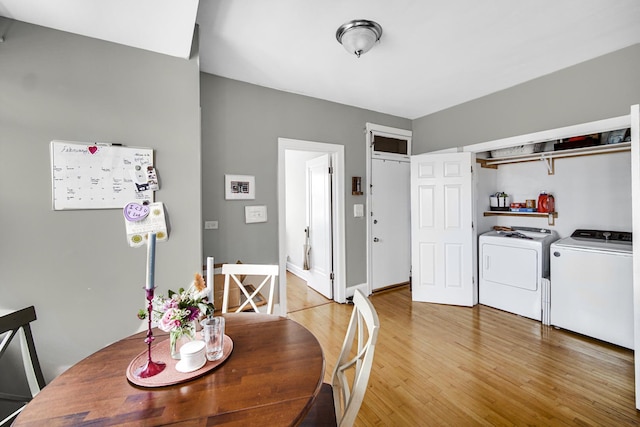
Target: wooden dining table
{"x": 271, "y": 378}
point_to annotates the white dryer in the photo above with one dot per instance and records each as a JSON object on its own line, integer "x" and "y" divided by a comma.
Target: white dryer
{"x": 512, "y": 267}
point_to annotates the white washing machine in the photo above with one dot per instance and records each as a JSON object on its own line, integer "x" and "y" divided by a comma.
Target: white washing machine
{"x": 592, "y": 285}
{"x": 513, "y": 265}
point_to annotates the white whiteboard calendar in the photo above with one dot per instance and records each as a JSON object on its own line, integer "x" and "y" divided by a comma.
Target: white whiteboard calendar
{"x": 97, "y": 176}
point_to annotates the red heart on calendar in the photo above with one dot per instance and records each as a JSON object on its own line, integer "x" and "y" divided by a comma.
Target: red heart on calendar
{"x": 93, "y": 149}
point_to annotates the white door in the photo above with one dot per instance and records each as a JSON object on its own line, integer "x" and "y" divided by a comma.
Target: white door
{"x": 390, "y": 219}
{"x": 319, "y": 224}
{"x": 443, "y": 252}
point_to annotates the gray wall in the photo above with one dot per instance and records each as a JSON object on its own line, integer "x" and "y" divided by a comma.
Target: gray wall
{"x": 75, "y": 266}
{"x": 601, "y": 88}
{"x": 241, "y": 124}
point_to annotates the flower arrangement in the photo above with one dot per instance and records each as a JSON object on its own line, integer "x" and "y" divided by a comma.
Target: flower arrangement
{"x": 178, "y": 312}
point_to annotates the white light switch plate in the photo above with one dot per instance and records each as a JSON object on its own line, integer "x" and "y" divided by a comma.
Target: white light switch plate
{"x": 358, "y": 211}
{"x": 211, "y": 225}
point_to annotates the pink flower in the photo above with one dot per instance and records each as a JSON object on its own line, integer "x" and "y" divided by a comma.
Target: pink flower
{"x": 169, "y": 321}
{"x": 169, "y": 304}
{"x": 178, "y": 310}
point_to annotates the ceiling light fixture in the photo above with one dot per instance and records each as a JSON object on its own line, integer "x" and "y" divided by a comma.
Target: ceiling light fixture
{"x": 359, "y": 35}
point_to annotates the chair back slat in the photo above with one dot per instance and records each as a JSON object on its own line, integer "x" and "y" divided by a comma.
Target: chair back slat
{"x": 17, "y": 319}
{"x": 231, "y": 277}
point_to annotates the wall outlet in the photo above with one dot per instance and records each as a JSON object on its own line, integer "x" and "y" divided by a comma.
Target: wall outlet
{"x": 211, "y": 225}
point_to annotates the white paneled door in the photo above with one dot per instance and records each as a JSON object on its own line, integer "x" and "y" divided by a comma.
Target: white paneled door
{"x": 442, "y": 235}
{"x": 320, "y": 226}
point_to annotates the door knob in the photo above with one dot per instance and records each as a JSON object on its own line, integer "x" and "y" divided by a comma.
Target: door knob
{"x": 375, "y": 239}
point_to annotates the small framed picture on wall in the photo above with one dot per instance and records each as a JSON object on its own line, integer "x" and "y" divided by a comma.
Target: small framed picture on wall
{"x": 239, "y": 187}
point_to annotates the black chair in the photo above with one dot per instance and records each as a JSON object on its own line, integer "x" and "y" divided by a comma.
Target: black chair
{"x": 10, "y": 325}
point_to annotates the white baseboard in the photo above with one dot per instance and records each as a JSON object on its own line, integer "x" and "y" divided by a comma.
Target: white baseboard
{"x": 298, "y": 271}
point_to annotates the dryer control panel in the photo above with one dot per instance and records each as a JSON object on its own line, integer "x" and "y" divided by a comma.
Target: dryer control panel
{"x": 613, "y": 236}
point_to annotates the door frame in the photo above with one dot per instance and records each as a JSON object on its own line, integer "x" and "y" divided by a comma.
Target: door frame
{"x": 336, "y": 152}
{"x": 635, "y": 194}
{"x": 372, "y": 128}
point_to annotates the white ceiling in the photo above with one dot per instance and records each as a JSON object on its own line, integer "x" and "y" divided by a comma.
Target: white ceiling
{"x": 433, "y": 54}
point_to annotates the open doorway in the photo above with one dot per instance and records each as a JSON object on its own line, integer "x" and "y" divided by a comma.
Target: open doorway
{"x": 302, "y": 158}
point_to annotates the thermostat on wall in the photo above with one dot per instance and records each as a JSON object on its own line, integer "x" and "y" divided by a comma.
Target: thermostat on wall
{"x": 254, "y": 214}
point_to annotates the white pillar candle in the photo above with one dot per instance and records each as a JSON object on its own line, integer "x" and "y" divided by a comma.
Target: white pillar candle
{"x": 210, "y": 274}
{"x": 151, "y": 261}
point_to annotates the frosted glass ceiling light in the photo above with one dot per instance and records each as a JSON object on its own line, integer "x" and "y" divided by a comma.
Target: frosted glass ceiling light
{"x": 359, "y": 35}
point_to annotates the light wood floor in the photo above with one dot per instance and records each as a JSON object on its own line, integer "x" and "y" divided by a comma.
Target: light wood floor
{"x": 300, "y": 296}
{"x": 439, "y": 365}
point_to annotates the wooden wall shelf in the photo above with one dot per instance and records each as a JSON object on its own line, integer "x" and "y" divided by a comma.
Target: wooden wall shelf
{"x": 550, "y": 216}
{"x": 549, "y": 156}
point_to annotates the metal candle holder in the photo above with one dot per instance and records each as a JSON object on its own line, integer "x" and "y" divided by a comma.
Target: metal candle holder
{"x": 150, "y": 368}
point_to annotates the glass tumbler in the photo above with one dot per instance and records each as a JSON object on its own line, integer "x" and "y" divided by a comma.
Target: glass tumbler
{"x": 213, "y": 336}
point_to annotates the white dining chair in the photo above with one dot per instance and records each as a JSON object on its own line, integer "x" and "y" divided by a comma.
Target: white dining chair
{"x": 338, "y": 403}
{"x": 11, "y": 325}
{"x": 250, "y": 292}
